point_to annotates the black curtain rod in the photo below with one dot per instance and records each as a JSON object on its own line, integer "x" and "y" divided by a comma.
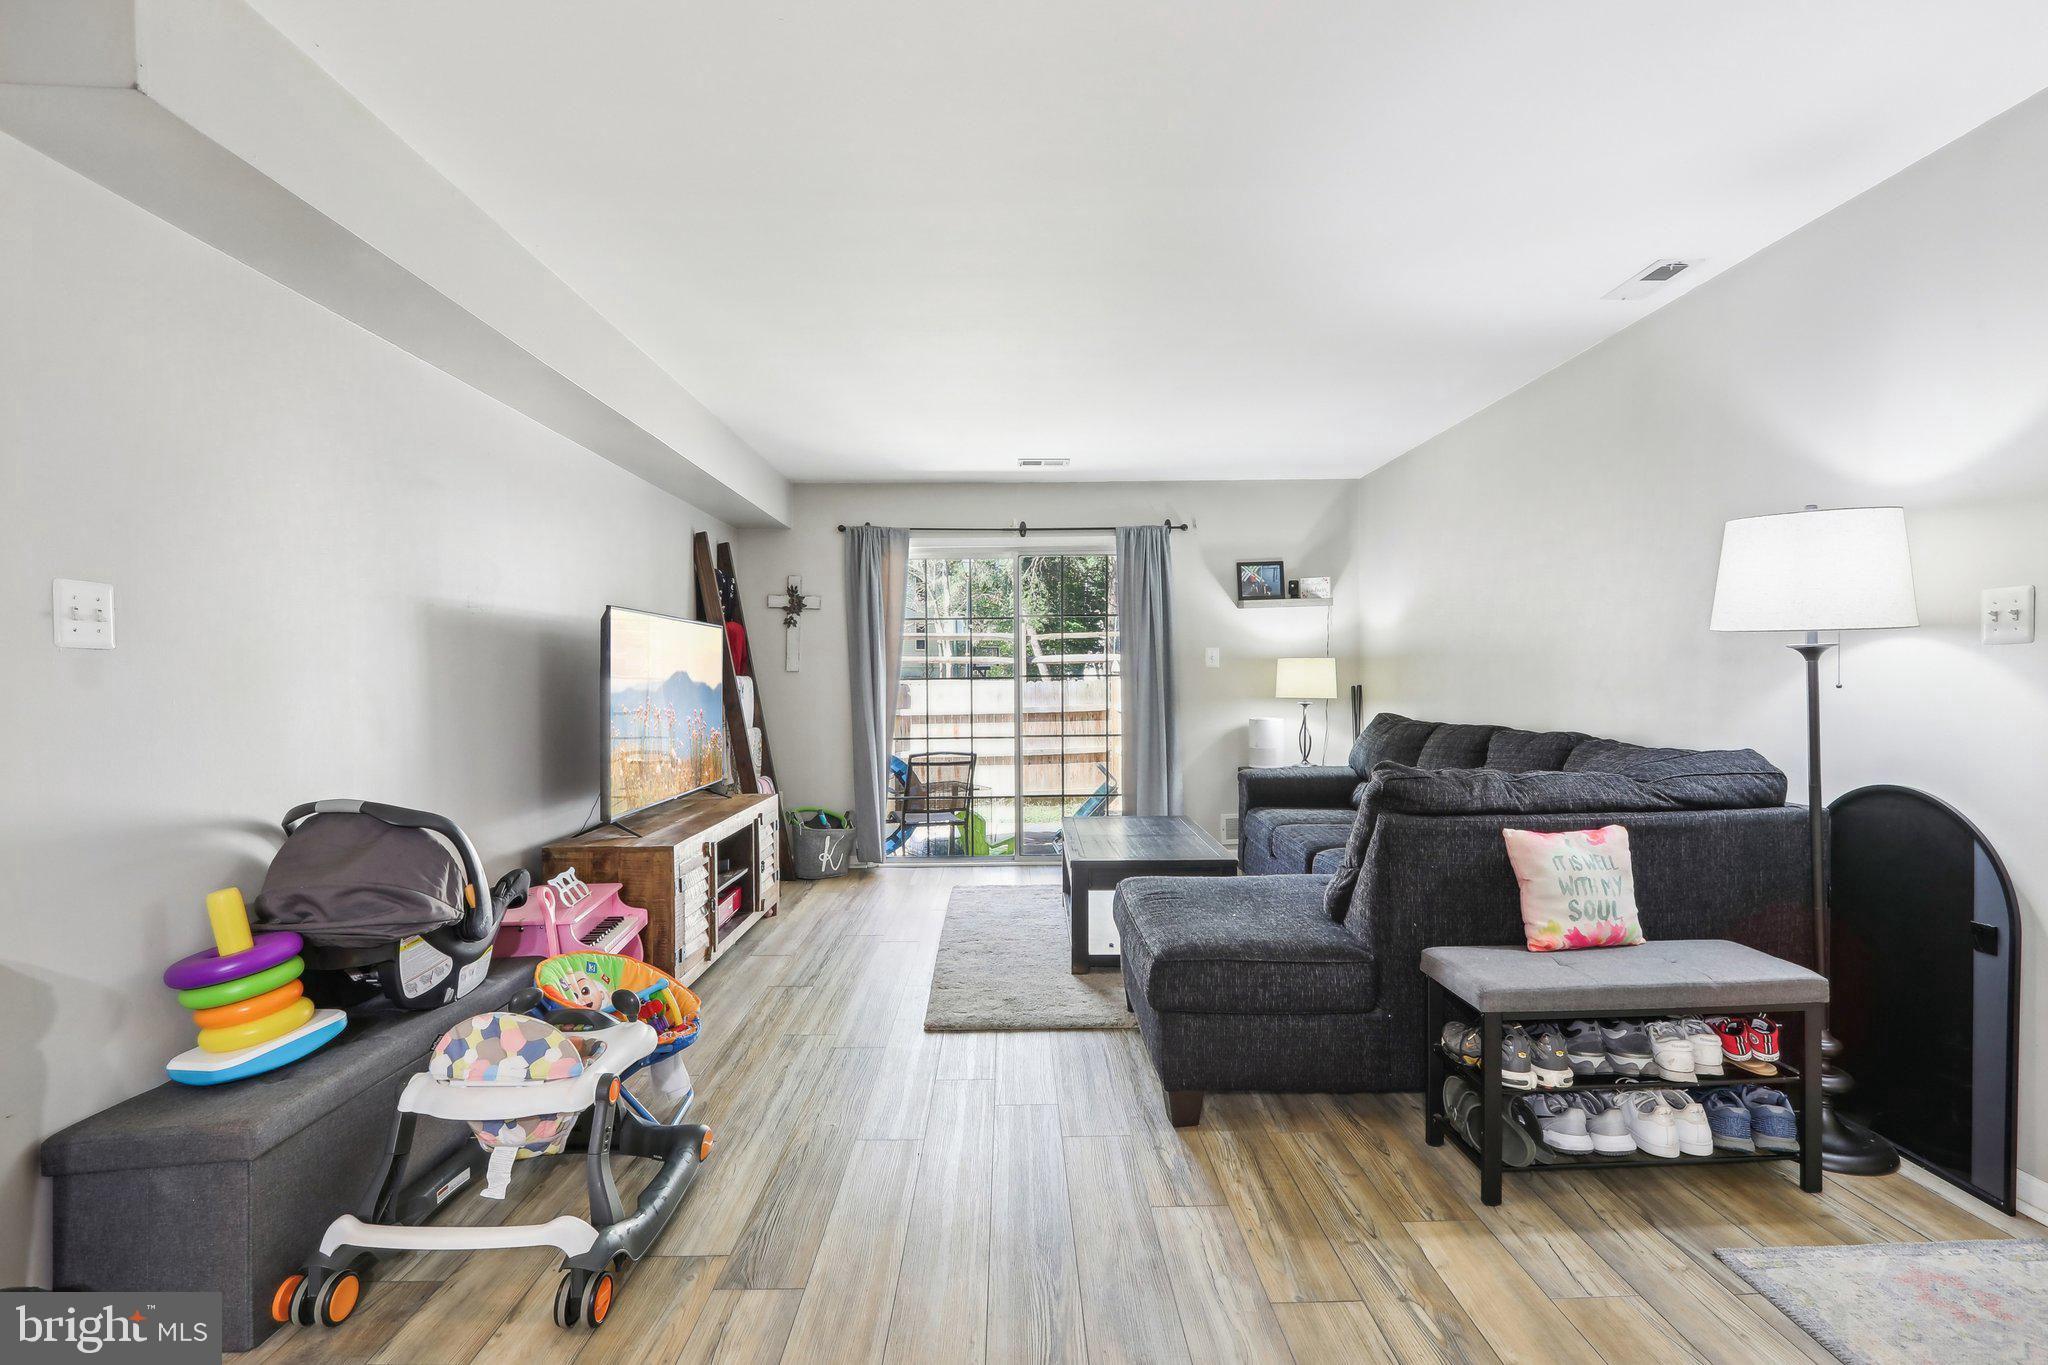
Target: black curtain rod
{"x": 1020, "y": 528}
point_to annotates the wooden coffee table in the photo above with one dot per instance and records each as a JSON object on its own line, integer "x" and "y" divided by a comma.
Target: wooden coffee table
{"x": 1098, "y": 851}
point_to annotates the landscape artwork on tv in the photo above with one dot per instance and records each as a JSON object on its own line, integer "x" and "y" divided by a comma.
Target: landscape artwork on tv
{"x": 665, "y": 735}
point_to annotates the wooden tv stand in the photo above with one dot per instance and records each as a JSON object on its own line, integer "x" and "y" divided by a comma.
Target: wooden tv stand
{"x": 685, "y": 855}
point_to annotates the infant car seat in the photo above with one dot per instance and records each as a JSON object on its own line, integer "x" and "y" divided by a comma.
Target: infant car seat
{"x": 387, "y": 900}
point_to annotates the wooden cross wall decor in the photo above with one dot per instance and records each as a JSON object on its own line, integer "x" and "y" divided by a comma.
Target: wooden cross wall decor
{"x": 793, "y": 604}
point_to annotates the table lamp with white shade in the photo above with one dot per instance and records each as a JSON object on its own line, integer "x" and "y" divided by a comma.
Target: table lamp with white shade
{"x": 1845, "y": 568}
{"x": 1306, "y": 680}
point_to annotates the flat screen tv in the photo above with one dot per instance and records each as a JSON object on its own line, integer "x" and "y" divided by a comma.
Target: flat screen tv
{"x": 664, "y": 709}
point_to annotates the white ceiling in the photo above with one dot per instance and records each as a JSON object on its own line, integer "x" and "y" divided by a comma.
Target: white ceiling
{"x": 1168, "y": 238}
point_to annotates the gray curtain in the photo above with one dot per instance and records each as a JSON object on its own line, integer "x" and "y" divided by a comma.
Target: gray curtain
{"x": 1144, "y": 595}
{"x": 877, "y": 562}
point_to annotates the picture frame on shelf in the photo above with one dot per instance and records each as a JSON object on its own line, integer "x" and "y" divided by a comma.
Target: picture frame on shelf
{"x": 1317, "y": 588}
{"x": 1260, "y": 580}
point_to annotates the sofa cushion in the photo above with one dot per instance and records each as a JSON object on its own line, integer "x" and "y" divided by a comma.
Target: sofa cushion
{"x": 1596, "y": 755}
{"x": 1524, "y": 751}
{"x": 1296, "y": 846}
{"x": 1483, "y": 791}
{"x": 1263, "y": 825}
{"x": 1389, "y": 739}
{"x": 1327, "y": 861}
{"x": 1240, "y": 945}
{"x": 1456, "y": 746}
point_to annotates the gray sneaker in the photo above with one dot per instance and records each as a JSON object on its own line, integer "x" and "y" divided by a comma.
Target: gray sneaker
{"x": 1559, "y": 1123}
{"x": 1606, "y": 1126}
{"x": 1586, "y": 1049}
{"x": 1549, "y": 1055}
{"x": 1628, "y": 1047}
{"x": 1517, "y": 1062}
{"x": 1461, "y": 1042}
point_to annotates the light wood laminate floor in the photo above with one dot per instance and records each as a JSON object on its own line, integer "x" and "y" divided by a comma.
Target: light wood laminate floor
{"x": 883, "y": 1194}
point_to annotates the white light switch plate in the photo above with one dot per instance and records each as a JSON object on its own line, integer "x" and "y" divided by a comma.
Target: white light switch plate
{"x": 84, "y": 613}
{"x": 2007, "y": 617}
{"x": 1213, "y": 657}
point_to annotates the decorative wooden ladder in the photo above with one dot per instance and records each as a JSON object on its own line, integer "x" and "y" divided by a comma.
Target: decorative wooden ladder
{"x": 711, "y": 608}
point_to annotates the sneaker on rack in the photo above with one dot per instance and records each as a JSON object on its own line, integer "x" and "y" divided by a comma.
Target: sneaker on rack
{"x": 1606, "y": 1124}
{"x": 1517, "y": 1067}
{"x": 1728, "y": 1118}
{"x": 1461, "y": 1043}
{"x": 1707, "y": 1058}
{"x": 1651, "y": 1122}
{"x": 1762, "y": 1032}
{"x": 1772, "y": 1124}
{"x": 1672, "y": 1049}
{"x": 1549, "y": 1055}
{"x": 1628, "y": 1047}
{"x": 1586, "y": 1049}
{"x": 1735, "y": 1047}
{"x": 1695, "y": 1135}
{"x": 1560, "y": 1123}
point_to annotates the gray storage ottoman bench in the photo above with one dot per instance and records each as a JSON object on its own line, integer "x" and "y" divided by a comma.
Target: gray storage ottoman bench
{"x": 1499, "y": 985}
{"x": 229, "y": 1187}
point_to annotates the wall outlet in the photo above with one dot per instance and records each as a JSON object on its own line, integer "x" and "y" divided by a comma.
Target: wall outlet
{"x": 1212, "y": 657}
{"x": 83, "y": 612}
{"x": 2007, "y": 616}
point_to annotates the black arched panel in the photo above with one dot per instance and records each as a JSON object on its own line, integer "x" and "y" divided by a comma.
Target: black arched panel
{"x": 1926, "y": 983}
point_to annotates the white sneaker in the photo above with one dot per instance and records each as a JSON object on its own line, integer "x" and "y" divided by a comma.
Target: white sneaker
{"x": 1672, "y": 1050}
{"x": 1695, "y": 1136}
{"x": 1652, "y": 1123}
{"x": 1707, "y": 1058}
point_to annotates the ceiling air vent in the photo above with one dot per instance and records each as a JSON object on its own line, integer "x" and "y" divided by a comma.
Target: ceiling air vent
{"x": 1650, "y": 279}
{"x": 1043, "y": 462}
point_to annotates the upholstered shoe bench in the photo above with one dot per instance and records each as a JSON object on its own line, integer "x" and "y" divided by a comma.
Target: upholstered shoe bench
{"x": 1495, "y": 986}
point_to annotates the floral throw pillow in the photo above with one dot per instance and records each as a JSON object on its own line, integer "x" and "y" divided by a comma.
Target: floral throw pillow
{"x": 1578, "y": 889}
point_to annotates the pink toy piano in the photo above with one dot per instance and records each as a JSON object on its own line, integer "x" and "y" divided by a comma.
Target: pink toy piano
{"x": 598, "y": 923}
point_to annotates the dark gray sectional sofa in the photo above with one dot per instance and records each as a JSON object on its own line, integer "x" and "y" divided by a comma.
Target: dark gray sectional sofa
{"x": 1305, "y": 977}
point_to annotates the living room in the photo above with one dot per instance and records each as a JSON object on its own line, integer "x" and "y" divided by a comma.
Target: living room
{"x": 1079, "y": 683}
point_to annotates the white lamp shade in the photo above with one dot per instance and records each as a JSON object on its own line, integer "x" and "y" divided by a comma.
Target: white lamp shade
{"x": 1306, "y": 679}
{"x": 1845, "y": 568}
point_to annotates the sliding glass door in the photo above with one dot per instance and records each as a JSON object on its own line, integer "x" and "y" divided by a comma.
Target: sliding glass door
{"x": 1007, "y": 718}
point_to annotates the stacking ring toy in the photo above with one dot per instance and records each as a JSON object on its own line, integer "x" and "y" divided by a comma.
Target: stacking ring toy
{"x": 228, "y": 992}
{"x": 275, "y": 1024}
{"x": 209, "y": 967}
{"x": 255, "y": 1007}
{"x": 245, "y": 994}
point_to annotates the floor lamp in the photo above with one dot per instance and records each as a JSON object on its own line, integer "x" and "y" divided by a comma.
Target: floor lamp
{"x": 1840, "y": 569}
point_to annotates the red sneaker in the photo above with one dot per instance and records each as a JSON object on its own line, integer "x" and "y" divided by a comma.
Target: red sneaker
{"x": 1758, "y": 1050}
{"x": 1734, "y": 1035}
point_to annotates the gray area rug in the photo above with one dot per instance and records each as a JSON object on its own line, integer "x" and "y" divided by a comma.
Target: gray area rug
{"x": 1913, "y": 1302}
{"x": 1003, "y": 968}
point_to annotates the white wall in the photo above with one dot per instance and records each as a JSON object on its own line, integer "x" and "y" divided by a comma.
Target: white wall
{"x": 337, "y": 572}
{"x": 1550, "y": 562}
{"x": 1305, "y": 523}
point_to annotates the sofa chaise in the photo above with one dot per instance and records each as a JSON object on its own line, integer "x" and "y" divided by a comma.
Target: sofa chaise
{"x": 1308, "y": 980}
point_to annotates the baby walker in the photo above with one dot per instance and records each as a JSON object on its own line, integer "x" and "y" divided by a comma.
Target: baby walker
{"x": 529, "y": 1087}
